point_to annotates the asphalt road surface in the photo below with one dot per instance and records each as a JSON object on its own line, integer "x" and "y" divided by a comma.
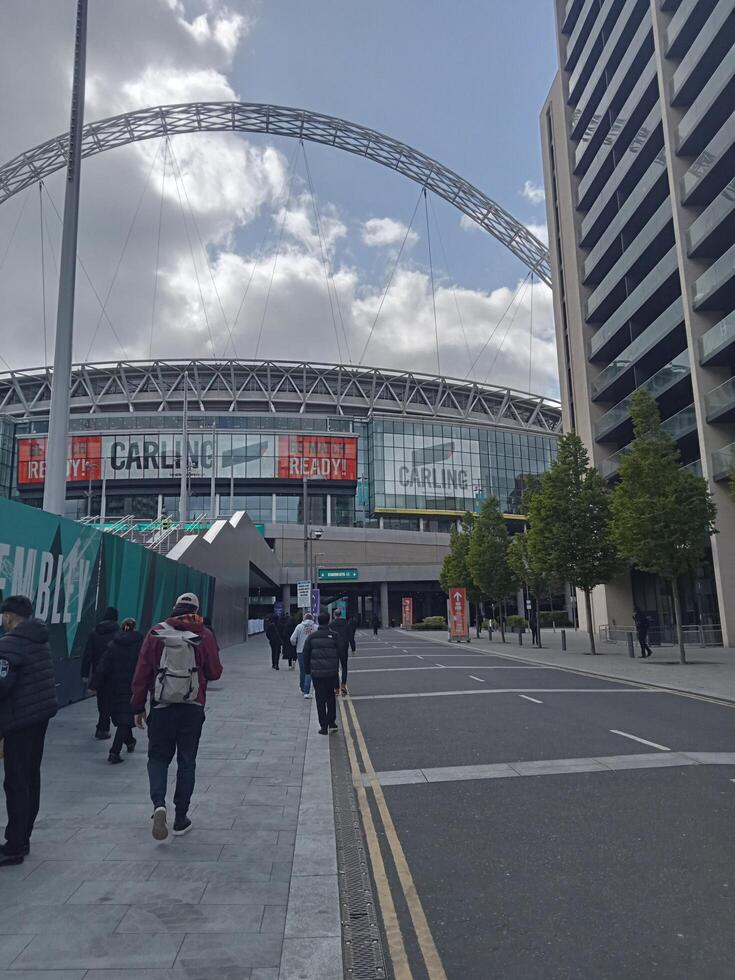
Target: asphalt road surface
{"x": 537, "y": 823}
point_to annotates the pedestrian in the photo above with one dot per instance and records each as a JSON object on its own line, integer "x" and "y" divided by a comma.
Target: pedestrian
{"x": 298, "y": 638}
{"x": 273, "y": 635}
{"x": 342, "y": 628}
{"x": 114, "y": 680}
{"x": 352, "y": 623}
{"x": 375, "y": 623}
{"x": 286, "y": 626}
{"x": 177, "y": 660}
{"x": 96, "y": 646}
{"x": 322, "y": 651}
{"x": 533, "y": 626}
{"x": 642, "y": 624}
{"x": 27, "y": 702}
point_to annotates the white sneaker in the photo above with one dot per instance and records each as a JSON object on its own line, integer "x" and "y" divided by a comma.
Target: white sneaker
{"x": 160, "y": 827}
{"x": 307, "y": 697}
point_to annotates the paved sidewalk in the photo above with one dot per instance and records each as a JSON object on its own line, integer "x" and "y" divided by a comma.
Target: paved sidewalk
{"x": 710, "y": 671}
{"x": 99, "y": 899}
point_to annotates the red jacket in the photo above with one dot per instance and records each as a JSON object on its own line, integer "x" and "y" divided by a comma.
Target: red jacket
{"x": 149, "y": 659}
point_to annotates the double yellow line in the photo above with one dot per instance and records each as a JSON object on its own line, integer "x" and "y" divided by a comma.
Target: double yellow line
{"x": 394, "y": 936}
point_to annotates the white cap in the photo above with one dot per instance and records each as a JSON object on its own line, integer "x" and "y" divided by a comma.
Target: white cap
{"x": 188, "y": 599}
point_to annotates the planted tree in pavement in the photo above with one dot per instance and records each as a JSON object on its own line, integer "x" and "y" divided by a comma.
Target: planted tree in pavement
{"x": 487, "y": 556}
{"x": 455, "y": 570}
{"x": 662, "y": 516}
{"x": 527, "y": 570}
{"x": 569, "y": 535}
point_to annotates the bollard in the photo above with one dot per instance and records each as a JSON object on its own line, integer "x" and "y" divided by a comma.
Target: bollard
{"x": 563, "y": 640}
{"x": 520, "y": 637}
{"x": 631, "y": 648}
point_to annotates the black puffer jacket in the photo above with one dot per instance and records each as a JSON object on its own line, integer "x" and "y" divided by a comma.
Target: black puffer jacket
{"x": 114, "y": 675}
{"x": 27, "y": 668}
{"x": 97, "y": 644}
{"x": 342, "y": 628}
{"x": 321, "y": 653}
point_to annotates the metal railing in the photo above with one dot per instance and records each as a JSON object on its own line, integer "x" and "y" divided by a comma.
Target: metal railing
{"x": 665, "y": 636}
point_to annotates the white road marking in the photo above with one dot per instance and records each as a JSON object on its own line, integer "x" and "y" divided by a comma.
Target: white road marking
{"x": 643, "y": 741}
{"x": 419, "y": 656}
{"x": 526, "y": 697}
{"x": 441, "y": 665}
{"x": 480, "y": 679}
{"x": 504, "y": 690}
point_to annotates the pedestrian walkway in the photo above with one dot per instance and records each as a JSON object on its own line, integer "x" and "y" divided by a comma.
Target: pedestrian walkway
{"x": 250, "y": 894}
{"x": 710, "y": 671}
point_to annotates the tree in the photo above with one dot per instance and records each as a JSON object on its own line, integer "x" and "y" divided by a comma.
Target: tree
{"x": 455, "y": 570}
{"x": 487, "y": 556}
{"x": 569, "y": 534}
{"x": 662, "y": 516}
{"x": 527, "y": 570}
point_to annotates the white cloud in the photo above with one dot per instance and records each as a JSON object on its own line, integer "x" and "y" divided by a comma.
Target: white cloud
{"x": 467, "y": 224}
{"x": 533, "y": 192}
{"x": 378, "y": 232}
{"x": 540, "y": 231}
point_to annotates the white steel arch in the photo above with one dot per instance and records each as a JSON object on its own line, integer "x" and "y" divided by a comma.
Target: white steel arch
{"x": 253, "y": 117}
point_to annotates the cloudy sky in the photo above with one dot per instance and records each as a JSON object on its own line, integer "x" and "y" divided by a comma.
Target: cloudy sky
{"x": 217, "y": 244}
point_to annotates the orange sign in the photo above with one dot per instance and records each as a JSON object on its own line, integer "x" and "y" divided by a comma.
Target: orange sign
{"x": 459, "y": 622}
{"x": 317, "y": 457}
{"x": 407, "y": 612}
{"x": 83, "y": 460}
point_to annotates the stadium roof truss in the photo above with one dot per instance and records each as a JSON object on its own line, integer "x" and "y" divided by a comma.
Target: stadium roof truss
{"x": 252, "y": 117}
{"x": 275, "y": 388}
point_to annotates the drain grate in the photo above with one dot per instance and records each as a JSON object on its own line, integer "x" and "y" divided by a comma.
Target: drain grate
{"x": 361, "y": 940}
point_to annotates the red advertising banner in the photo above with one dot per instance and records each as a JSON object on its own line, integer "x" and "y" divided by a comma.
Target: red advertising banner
{"x": 407, "y": 612}
{"x": 83, "y": 461}
{"x": 317, "y": 457}
{"x": 459, "y": 621}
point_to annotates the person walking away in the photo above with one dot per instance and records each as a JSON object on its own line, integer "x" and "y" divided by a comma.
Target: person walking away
{"x": 322, "y": 651}
{"x": 375, "y": 623}
{"x": 27, "y": 702}
{"x": 352, "y": 624}
{"x": 298, "y": 638}
{"x": 96, "y": 646}
{"x": 341, "y": 627}
{"x": 114, "y": 680}
{"x": 533, "y": 626}
{"x": 177, "y": 660}
{"x": 642, "y": 624}
{"x": 273, "y": 635}
{"x": 286, "y": 626}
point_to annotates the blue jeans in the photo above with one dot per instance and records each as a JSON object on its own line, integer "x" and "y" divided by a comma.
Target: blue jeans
{"x": 304, "y": 678}
{"x": 174, "y": 730}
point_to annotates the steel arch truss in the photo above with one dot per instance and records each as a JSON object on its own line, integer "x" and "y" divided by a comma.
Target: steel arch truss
{"x": 275, "y": 388}
{"x": 253, "y": 117}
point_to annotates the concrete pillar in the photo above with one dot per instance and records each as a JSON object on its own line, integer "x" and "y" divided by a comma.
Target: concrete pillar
{"x": 273, "y": 508}
{"x": 329, "y": 509}
{"x": 384, "y": 614}
{"x": 286, "y": 598}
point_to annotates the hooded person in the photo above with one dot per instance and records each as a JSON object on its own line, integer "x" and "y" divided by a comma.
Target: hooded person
{"x": 177, "y": 660}
{"x": 96, "y": 646}
{"x": 27, "y": 702}
{"x": 298, "y": 638}
{"x": 113, "y": 679}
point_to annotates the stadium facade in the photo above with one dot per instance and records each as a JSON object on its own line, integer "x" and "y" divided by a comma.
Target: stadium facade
{"x": 638, "y": 140}
{"x": 392, "y": 458}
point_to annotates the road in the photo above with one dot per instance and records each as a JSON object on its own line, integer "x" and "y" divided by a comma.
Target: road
{"x": 538, "y": 823}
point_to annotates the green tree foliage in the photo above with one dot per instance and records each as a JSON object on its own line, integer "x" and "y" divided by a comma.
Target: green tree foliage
{"x": 455, "y": 570}
{"x": 527, "y": 570}
{"x": 569, "y": 535}
{"x": 662, "y": 516}
{"x": 487, "y": 557}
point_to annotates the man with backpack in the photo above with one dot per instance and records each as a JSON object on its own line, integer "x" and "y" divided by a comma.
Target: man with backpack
{"x": 176, "y": 661}
{"x": 342, "y": 629}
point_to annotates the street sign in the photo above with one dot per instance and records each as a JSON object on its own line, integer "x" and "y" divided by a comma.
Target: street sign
{"x": 336, "y": 575}
{"x": 459, "y": 621}
{"x": 303, "y": 595}
{"x": 407, "y": 612}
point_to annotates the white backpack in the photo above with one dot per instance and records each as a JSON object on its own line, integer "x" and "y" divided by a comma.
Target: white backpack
{"x": 177, "y": 680}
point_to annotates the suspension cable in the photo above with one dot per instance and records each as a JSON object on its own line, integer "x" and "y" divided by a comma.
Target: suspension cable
{"x": 530, "y": 341}
{"x": 204, "y": 251}
{"x": 261, "y": 249}
{"x": 392, "y": 274}
{"x": 15, "y": 228}
{"x": 328, "y": 271}
{"x": 451, "y": 280}
{"x": 497, "y": 325}
{"x": 43, "y": 273}
{"x": 278, "y": 252}
{"x": 87, "y": 276}
{"x": 431, "y": 273}
{"x": 124, "y": 248}
{"x": 193, "y": 260}
{"x": 158, "y": 249}
{"x": 507, "y": 330}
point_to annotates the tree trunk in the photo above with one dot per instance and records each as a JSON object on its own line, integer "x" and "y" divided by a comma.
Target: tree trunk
{"x": 478, "y": 619}
{"x": 502, "y": 620}
{"x": 677, "y": 617}
{"x": 590, "y": 627}
{"x": 534, "y": 600}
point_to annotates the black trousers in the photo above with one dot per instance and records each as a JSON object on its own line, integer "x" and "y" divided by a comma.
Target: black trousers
{"x": 123, "y": 736}
{"x": 646, "y": 651}
{"x": 174, "y": 730}
{"x": 375, "y": 630}
{"x": 103, "y": 722}
{"x": 275, "y": 653}
{"x": 326, "y": 702}
{"x": 23, "y": 755}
